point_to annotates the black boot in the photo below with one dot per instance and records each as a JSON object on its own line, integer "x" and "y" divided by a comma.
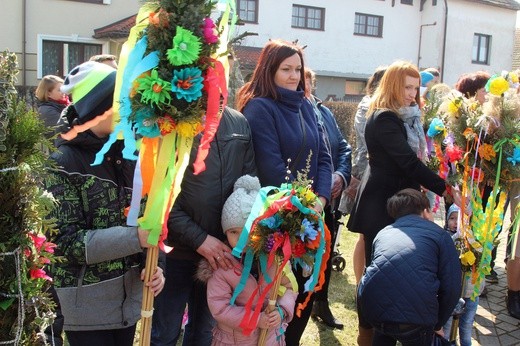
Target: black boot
{"x": 321, "y": 309}
{"x": 513, "y": 303}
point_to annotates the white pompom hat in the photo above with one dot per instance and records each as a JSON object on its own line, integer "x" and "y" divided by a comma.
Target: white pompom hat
{"x": 238, "y": 206}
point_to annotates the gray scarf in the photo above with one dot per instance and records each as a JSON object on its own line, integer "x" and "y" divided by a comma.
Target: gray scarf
{"x": 411, "y": 117}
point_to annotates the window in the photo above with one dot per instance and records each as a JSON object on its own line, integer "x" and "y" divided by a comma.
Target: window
{"x": 481, "y": 45}
{"x": 58, "y": 56}
{"x": 308, "y": 17}
{"x": 407, "y": 2}
{"x": 90, "y": 1}
{"x": 368, "y": 25}
{"x": 248, "y": 10}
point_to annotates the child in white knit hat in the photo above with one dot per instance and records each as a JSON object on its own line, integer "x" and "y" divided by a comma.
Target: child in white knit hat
{"x": 221, "y": 283}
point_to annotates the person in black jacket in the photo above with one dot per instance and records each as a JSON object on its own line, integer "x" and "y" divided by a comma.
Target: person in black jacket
{"x": 414, "y": 280}
{"x": 392, "y": 162}
{"x": 50, "y": 101}
{"x": 341, "y": 154}
{"x": 194, "y": 230}
{"x": 99, "y": 281}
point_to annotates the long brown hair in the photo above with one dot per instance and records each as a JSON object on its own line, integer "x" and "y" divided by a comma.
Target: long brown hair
{"x": 262, "y": 82}
{"x": 389, "y": 93}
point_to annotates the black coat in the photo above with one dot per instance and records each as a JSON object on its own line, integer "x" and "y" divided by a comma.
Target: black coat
{"x": 393, "y": 166}
{"x": 197, "y": 209}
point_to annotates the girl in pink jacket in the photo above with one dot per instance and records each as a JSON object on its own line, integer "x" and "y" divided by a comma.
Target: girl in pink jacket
{"x": 221, "y": 282}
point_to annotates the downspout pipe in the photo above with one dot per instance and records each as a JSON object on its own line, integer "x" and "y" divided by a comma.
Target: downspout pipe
{"x": 24, "y": 42}
{"x": 444, "y": 38}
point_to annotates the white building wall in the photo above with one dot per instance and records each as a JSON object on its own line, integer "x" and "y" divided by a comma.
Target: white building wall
{"x": 57, "y": 19}
{"x": 463, "y": 22}
{"x": 337, "y": 54}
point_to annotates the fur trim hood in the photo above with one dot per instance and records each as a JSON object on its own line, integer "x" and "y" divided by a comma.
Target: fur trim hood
{"x": 204, "y": 271}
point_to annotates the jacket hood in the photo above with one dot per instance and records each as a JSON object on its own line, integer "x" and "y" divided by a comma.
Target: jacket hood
{"x": 204, "y": 271}
{"x": 87, "y": 140}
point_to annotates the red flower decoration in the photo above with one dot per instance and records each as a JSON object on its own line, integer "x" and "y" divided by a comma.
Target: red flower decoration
{"x": 39, "y": 274}
{"x": 477, "y": 174}
{"x": 298, "y": 249}
{"x": 454, "y": 153}
{"x": 166, "y": 124}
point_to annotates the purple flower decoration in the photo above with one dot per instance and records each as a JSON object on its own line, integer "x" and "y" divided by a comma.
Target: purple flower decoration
{"x": 187, "y": 83}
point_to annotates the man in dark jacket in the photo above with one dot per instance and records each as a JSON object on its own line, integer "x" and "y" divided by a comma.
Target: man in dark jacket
{"x": 341, "y": 154}
{"x": 194, "y": 231}
{"x": 414, "y": 280}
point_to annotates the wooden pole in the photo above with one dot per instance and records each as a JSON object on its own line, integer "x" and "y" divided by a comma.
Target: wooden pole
{"x": 273, "y": 295}
{"x": 152, "y": 258}
{"x": 455, "y": 320}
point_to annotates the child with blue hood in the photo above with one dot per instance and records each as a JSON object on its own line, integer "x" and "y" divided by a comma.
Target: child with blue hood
{"x": 467, "y": 318}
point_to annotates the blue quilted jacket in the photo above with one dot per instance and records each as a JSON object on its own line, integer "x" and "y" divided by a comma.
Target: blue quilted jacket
{"x": 414, "y": 276}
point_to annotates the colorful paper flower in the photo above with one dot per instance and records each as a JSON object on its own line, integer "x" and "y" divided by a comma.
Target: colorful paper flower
{"x": 497, "y": 85}
{"x": 469, "y": 133}
{"x": 515, "y": 158}
{"x": 38, "y": 240}
{"x": 436, "y": 127}
{"x": 477, "y": 175}
{"x": 486, "y": 152}
{"x": 154, "y": 90}
{"x": 298, "y": 248}
{"x": 454, "y": 152}
{"x": 159, "y": 19}
{"x": 187, "y": 83}
{"x": 453, "y": 106}
{"x": 186, "y": 48}
{"x": 39, "y": 273}
{"x": 467, "y": 258}
{"x": 308, "y": 231}
{"x": 272, "y": 222}
{"x": 166, "y": 124}
{"x": 145, "y": 125}
{"x": 209, "y": 30}
{"x": 189, "y": 129}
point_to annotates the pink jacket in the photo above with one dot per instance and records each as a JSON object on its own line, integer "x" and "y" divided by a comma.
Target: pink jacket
{"x": 221, "y": 285}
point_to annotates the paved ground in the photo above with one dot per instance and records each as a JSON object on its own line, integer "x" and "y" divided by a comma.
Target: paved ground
{"x": 493, "y": 325}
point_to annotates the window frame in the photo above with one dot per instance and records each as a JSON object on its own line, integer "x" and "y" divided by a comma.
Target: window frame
{"x": 99, "y": 2}
{"x": 307, "y": 18}
{"x": 477, "y": 59}
{"x": 367, "y": 16}
{"x": 65, "y": 39}
{"x": 256, "y": 12}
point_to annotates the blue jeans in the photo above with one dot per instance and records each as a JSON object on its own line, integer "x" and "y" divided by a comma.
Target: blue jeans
{"x": 465, "y": 322}
{"x": 181, "y": 288}
{"x": 387, "y": 334}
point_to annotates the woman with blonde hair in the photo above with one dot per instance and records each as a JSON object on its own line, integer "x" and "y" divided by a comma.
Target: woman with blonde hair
{"x": 50, "y": 100}
{"x": 392, "y": 162}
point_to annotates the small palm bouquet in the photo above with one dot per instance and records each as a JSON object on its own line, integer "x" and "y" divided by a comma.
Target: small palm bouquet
{"x": 283, "y": 228}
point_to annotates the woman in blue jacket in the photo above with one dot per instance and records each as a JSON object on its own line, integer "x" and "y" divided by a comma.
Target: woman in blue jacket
{"x": 284, "y": 126}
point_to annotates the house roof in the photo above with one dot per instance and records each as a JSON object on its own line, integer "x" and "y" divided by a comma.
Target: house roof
{"x": 509, "y": 4}
{"x": 247, "y": 56}
{"x": 119, "y": 29}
